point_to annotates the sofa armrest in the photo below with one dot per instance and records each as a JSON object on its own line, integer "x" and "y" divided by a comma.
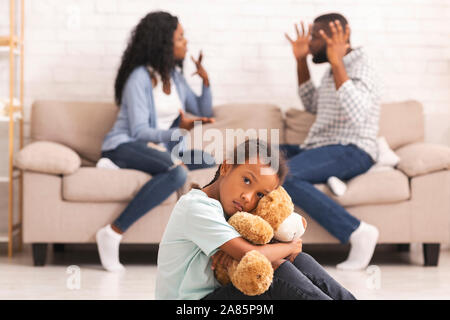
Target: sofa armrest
{"x": 47, "y": 157}
{"x": 422, "y": 158}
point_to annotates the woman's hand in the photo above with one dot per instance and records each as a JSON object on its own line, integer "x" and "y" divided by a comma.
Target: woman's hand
{"x": 200, "y": 70}
{"x": 221, "y": 258}
{"x": 337, "y": 45}
{"x": 300, "y": 46}
{"x": 188, "y": 123}
{"x": 296, "y": 249}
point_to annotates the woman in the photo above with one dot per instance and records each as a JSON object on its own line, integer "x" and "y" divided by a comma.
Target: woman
{"x": 152, "y": 94}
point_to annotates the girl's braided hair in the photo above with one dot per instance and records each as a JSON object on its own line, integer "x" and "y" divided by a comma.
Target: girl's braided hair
{"x": 252, "y": 148}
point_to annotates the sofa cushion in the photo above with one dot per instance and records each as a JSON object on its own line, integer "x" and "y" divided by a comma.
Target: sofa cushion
{"x": 199, "y": 177}
{"x": 402, "y": 123}
{"x": 422, "y": 158}
{"x": 47, "y": 157}
{"x": 247, "y": 120}
{"x": 372, "y": 188}
{"x": 105, "y": 185}
{"x": 78, "y": 125}
{"x": 297, "y": 124}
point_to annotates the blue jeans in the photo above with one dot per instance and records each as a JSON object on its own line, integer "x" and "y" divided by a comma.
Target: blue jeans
{"x": 165, "y": 178}
{"x": 313, "y": 166}
{"x": 304, "y": 279}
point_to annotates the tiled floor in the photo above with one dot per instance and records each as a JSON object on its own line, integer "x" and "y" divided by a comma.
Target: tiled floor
{"x": 395, "y": 275}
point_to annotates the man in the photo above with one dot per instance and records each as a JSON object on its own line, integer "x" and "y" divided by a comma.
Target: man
{"x": 342, "y": 141}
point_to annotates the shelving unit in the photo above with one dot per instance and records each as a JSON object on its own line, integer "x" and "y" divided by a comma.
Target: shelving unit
{"x": 13, "y": 45}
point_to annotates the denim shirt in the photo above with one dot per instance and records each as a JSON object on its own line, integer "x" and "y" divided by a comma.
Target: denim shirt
{"x": 136, "y": 120}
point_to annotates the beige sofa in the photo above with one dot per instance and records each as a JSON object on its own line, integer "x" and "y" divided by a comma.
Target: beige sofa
{"x": 408, "y": 204}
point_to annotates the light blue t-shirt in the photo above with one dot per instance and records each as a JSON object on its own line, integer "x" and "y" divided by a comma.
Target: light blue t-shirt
{"x": 196, "y": 229}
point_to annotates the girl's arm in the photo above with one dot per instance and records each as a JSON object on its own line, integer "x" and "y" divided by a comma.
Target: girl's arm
{"x": 238, "y": 247}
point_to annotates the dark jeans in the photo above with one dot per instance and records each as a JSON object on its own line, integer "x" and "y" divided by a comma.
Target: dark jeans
{"x": 165, "y": 178}
{"x": 309, "y": 167}
{"x": 305, "y": 279}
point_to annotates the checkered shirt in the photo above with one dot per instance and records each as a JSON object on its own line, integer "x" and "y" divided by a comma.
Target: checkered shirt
{"x": 348, "y": 115}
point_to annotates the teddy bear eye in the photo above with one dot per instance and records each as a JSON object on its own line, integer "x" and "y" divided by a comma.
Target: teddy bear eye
{"x": 260, "y": 194}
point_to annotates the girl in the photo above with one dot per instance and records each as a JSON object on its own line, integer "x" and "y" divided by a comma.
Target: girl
{"x": 198, "y": 229}
{"x": 152, "y": 94}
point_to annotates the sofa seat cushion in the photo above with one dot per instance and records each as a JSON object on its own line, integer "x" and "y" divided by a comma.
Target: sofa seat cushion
{"x": 105, "y": 185}
{"x": 375, "y": 187}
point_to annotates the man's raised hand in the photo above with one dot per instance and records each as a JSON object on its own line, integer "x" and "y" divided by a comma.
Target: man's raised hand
{"x": 337, "y": 44}
{"x": 300, "y": 46}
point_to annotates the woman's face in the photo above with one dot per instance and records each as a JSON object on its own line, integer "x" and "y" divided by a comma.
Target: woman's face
{"x": 242, "y": 186}
{"x": 179, "y": 43}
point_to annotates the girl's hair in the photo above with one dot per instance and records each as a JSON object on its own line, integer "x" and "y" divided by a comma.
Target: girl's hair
{"x": 150, "y": 44}
{"x": 253, "y": 148}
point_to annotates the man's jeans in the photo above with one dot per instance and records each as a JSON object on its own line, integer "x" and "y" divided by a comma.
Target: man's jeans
{"x": 313, "y": 166}
{"x": 166, "y": 178}
{"x": 305, "y": 279}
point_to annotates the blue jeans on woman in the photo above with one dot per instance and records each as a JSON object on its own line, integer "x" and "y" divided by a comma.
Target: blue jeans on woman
{"x": 313, "y": 166}
{"x": 304, "y": 279}
{"x": 166, "y": 178}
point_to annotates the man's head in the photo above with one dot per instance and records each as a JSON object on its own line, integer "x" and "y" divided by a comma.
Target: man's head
{"x": 317, "y": 45}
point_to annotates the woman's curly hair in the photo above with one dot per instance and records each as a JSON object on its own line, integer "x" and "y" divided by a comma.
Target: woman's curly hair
{"x": 150, "y": 44}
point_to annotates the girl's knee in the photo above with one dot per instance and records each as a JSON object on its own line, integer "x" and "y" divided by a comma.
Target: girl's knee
{"x": 276, "y": 264}
{"x": 304, "y": 258}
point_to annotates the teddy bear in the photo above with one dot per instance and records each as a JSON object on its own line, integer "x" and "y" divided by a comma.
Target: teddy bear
{"x": 274, "y": 217}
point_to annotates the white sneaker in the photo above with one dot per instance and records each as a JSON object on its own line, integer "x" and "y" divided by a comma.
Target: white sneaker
{"x": 106, "y": 163}
{"x": 337, "y": 186}
{"x": 108, "y": 242}
{"x": 363, "y": 241}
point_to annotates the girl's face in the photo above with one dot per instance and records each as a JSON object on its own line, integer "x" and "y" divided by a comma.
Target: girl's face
{"x": 242, "y": 186}
{"x": 179, "y": 43}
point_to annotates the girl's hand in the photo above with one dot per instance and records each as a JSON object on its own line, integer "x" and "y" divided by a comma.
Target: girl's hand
{"x": 221, "y": 258}
{"x": 188, "y": 123}
{"x": 337, "y": 45}
{"x": 300, "y": 46}
{"x": 297, "y": 246}
{"x": 200, "y": 70}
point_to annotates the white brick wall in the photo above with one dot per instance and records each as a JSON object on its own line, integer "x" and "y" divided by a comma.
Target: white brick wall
{"x": 73, "y": 48}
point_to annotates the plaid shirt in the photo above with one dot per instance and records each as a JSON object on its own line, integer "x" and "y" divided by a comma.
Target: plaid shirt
{"x": 348, "y": 115}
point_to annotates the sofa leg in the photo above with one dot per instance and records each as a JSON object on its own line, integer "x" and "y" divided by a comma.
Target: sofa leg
{"x": 58, "y": 247}
{"x": 431, "y": 254}
{"x": 39, "y": 253}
